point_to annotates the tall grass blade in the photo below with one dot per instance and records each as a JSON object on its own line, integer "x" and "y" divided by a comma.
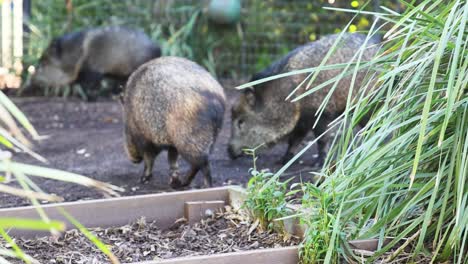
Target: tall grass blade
{"x": 90, "y": 236}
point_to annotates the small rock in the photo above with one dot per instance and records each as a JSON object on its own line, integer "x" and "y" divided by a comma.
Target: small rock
{"x": 228, "y": 182}
{"x": 209, "y": 212}
{"x": 81, "y": 151}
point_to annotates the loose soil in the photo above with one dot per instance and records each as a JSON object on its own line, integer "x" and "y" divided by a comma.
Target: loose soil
{"x": 224, "y": 232}
{"x": 87, "y": 138}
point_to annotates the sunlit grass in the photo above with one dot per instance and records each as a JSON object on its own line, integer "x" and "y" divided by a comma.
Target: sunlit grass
{"x": 404, "y": 174}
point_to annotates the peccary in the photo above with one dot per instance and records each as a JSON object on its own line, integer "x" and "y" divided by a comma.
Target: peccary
{"x": 172, "y": 104}
{"x": 87, "y": 56}
{"x": 263, "y": 116}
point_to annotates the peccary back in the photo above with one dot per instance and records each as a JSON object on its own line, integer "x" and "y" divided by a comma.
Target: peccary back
{"x": 173, "y": 103}
{"x": 263, "y": 116}
{"x": 89, "y": 55}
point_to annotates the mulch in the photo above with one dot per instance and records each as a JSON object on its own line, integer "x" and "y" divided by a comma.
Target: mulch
{"x": 228, "y": 231}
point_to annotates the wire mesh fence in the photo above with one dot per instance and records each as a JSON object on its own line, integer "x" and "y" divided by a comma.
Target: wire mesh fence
{"x": 266, "y": 31}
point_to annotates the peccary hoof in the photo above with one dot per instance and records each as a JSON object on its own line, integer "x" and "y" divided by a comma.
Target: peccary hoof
{"x": 175, "y": 183}
{"x": 145, "y": 179}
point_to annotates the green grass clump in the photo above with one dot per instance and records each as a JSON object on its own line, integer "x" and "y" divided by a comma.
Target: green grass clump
{"x": 404, "y": 175}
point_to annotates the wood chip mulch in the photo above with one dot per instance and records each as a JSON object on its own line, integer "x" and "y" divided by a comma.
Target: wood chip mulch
{"x": 229, "y": 231}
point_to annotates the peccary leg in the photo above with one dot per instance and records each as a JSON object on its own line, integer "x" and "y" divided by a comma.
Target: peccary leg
{"x": 322, "y": 143}
{"x": 172, "y": 155}
{"x": 118, "y": 87}
{"x": 196, "y": 166}
{"x": 148, "y": 158}
{"x": 117, "y": 84}
{"x": 208, "y": 182}
{"x": 296, "y": 137}
{"x": 294, "y": 141}
{"x": 204, "y": 165}
{"x": 90, "y": 82}
{"x": 191, "y": 175}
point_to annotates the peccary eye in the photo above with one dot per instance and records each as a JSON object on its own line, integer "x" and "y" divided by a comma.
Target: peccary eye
{"x": 240, "y": 123}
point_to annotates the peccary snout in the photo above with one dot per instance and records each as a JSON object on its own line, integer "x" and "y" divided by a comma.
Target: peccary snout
{"x": 233, "y": 154}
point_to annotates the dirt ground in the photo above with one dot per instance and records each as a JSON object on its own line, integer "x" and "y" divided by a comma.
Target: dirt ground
{"x": 87, "y": 138}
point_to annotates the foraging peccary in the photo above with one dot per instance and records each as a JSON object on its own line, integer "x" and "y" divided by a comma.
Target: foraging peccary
{"x": 87, "y": 56}
{"x": 263, "y": 116}
{"x": 172, "y": 104}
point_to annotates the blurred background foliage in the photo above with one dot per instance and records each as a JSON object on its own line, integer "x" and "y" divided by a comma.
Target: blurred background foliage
{"x": 266, "y": 31}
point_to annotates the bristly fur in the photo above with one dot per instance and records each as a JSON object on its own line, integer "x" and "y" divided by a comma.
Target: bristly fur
{"x": 89, "y": 55}
{"x": 173, "y": 103}
{"x": 262, "y": 116}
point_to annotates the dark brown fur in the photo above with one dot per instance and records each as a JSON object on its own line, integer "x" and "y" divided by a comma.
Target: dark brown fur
{"x": 173, "y": 104}
{"x": 86, "y": 57}
{"x": 262, "y": 116}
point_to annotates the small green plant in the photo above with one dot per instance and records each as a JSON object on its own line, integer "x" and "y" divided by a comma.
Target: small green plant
{"x": 267, "y": 200}
{"x": 317, "y": 215}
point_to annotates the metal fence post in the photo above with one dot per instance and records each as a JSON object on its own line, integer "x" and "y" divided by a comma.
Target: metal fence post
{"x": 6, "y": 33}
{"x": 18, "y": 35}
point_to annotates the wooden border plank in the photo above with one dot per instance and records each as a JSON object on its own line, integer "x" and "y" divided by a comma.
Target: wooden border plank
{"x": 165, "y": 208}
{"x": 285, "y": 255}
{"x": 237, "y": 196}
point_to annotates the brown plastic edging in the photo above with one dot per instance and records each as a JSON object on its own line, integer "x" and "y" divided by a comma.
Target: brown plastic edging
{"x": 164, "y": 208}
{"x": 285, "y": 255}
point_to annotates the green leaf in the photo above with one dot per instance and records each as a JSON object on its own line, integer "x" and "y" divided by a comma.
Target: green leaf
{"x": 30, "y": 224}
